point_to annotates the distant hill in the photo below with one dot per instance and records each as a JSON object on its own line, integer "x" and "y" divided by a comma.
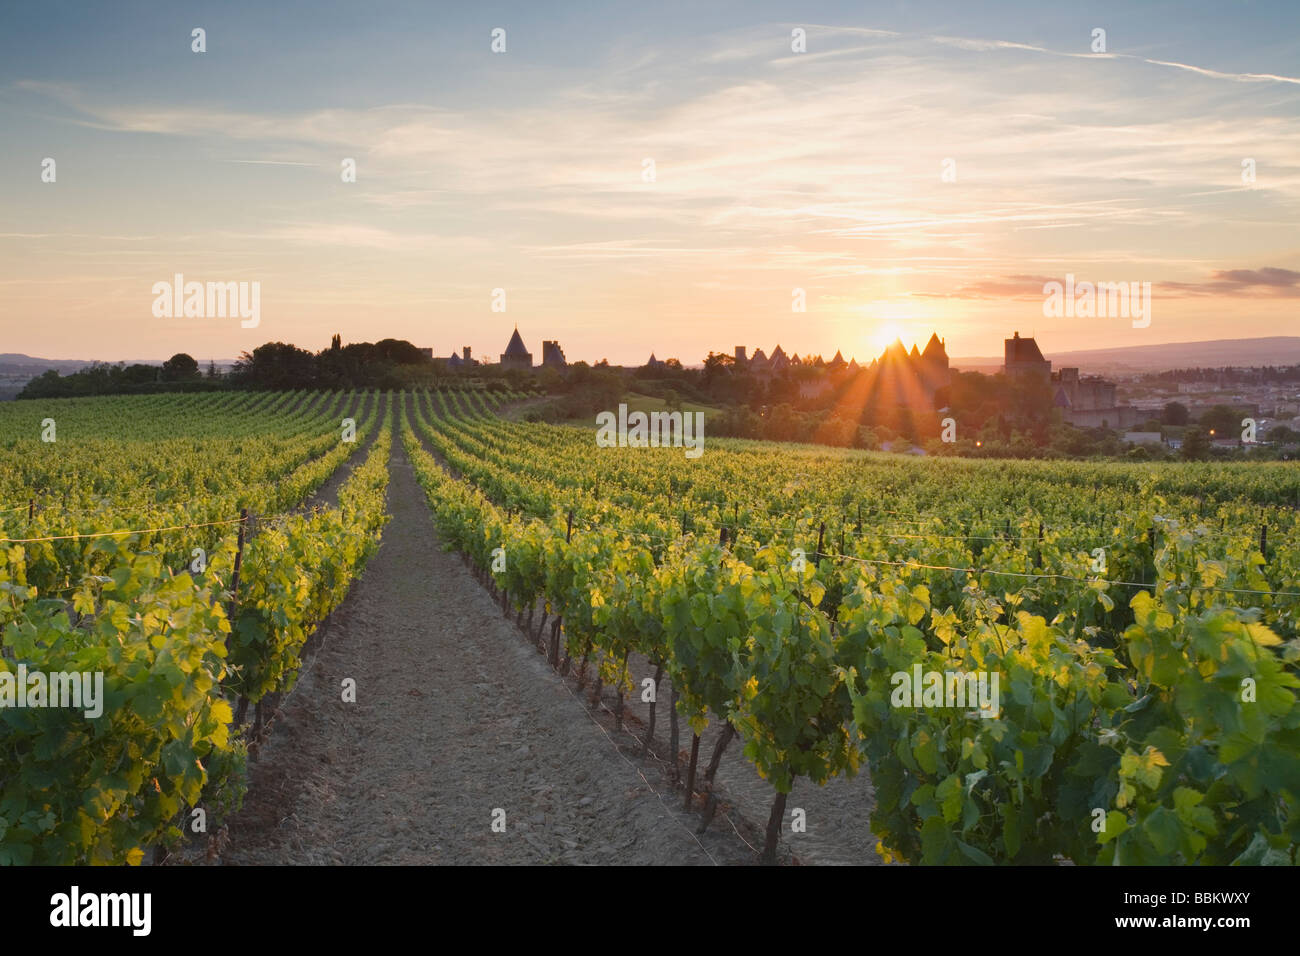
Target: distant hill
{"x": 12, "y": 363}
{"x": 1243, "y": 353}
{"x": 16, "y": 370}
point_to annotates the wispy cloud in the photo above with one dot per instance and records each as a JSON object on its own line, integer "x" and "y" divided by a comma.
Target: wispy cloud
{"x": 1266, "y": 283}
{"x": 986, "y": 45}
{"x": 266, "y": 162}
{"x": 772, "y": 169}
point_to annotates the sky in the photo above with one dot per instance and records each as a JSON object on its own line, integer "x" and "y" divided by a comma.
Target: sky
{"x": 646, "y": 177}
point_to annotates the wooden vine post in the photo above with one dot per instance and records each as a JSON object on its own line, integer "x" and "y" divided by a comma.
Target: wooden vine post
{"x": 234, "y": 578}
{"x": 695, "y": 738}
{"x": 654, "y": 699}
{"x": 773, "y": 833}
{"x": 554, "y": 656}
{"x": 234, "y": 602}
{"x": 690, "y": 769}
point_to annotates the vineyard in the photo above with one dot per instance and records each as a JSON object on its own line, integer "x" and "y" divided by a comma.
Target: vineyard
{"x": 1137, "y": 624}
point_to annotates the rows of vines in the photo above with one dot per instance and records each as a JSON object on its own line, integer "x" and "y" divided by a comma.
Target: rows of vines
{"x": 1142, "y": 622}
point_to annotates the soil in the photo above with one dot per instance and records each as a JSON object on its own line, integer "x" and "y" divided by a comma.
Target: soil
{"x": 836, "y": 816}
{"x": 456, "y": 717}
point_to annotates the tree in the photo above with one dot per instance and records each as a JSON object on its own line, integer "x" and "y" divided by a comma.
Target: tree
{"x": 49, "y": 384}
{"x": 1196, "y": 445}
{"x": 180, "y": 368}
{"x": 398, "y": 352}
{"x": 1222, "y": 421}
{"x": 1176, "y": 414}
{"x": 718, "y": 363}
{"x": 718, "y": 378}
{"x": 277, "y": 365}
{"x": 212, "y": 369}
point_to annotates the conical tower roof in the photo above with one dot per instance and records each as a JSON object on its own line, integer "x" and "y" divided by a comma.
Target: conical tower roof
{"x": 516, "y": 347}
{"x": 934, "y": 349}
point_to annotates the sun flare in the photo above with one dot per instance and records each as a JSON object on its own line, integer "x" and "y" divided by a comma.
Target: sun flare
{"x": 884, "y": 334}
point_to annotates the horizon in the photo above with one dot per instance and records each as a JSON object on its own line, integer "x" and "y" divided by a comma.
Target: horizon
{"x": 694, "y": 363}
{"x": 774, "y": 170}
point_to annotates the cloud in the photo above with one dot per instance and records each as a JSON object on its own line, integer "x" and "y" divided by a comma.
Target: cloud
{"x": 774, "y": 170}
{"x": 1218, "y": 75}
{"x": 1001, "y": 287}
{"x": 1269, "y": 282}
{"x": 984, "y": 45}
{"x": 1268, "y": 276}
{"x": 266, "y": 162}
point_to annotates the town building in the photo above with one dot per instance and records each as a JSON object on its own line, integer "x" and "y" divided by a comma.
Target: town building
{"x": 454, "y": 361}
{"x": 553, "y": 355}
{"x": 814, "y": 387}
{"x": 1090, "y": 401}
{"x": 897, "y": 377}
{"x": 1022, "y": 359}
{"x": 516, "y": 356}
{"x": 1085, "y": 401}
{"x": 909, "y": 379}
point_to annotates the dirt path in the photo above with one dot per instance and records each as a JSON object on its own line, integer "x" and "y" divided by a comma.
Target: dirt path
{"x": 455, "y": 717}
{"x": 837, "y": 815}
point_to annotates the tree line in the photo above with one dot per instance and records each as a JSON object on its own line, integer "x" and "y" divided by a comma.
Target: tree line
{"x": 387, "y": 364}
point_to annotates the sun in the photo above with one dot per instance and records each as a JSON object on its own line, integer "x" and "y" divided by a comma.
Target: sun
{"x": 884, "y": 335}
